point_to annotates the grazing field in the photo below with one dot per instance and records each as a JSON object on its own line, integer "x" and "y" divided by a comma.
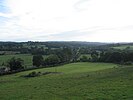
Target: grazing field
{"x": 122, "y": 47}
{"x": 77, "y": 81}
{"x": 26, "y": 57}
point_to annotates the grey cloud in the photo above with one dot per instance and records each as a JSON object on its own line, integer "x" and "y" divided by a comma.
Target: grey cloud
{"x": 71, "y": 35}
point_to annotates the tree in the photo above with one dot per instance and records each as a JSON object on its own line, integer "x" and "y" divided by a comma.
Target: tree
{"x": 64, "y": 54}
{"x": 75, "y": 54}
{"x": 84, "y": 59}
{"x": 115, "y": 57}
{"x": 37, "y": 60}
{"x": 52, "y": 60}
{"x": 94, "y": 56}
{"x": 15, "y": 64}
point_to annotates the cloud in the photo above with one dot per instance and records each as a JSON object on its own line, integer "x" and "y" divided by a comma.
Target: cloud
{"x": 83, "y": 20}
{"x": 94, "y": 34}
{"x": 81, "y": 5}
{"x": 3, "y": 7}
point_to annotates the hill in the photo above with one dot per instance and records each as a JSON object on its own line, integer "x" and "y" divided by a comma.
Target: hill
{"x": 76, "y": 81}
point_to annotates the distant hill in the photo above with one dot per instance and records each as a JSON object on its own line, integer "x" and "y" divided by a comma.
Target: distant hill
{"x": 51, "y": 44}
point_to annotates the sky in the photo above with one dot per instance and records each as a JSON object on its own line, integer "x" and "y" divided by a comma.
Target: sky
{"x": 66, "y": 20}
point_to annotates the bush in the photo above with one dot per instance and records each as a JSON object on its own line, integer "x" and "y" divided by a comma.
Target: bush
{"x": 33, "y": 74}
{"x": 128, "y": 63}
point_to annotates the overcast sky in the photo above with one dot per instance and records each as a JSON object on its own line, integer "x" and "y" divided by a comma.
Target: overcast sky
{"x": 66, "y": 20}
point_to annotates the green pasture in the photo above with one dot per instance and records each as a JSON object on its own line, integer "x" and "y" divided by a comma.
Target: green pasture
{"x": 26, "y": 57}
{"x": 76, "y": 81}
{"x": 130, "y": 47}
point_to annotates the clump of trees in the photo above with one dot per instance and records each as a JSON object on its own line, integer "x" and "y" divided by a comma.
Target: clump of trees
{"x": 64, "y": 54}
{"x": 67, "y": 55}
{"x": 59, "y": 56}
{"x": 15, "y": 64}
{"x": 112, "y": 56}
{"x": 37, "y": 60}
{"x": 116, "y": 56}
{"x": 84, "y": 59}
{"x": 51, "y": 60}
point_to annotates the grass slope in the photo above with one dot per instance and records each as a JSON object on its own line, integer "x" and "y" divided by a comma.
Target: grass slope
{"x": 122, "y": 47}
{"x": 79, "y": 81}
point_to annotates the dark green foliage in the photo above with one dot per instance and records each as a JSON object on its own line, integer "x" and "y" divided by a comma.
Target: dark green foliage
{"x": 69, "y": 51}
{"x": 64, "y": 54}
{"x": 15, "y": 64}
{"x": 33, "y": 74}
{"x": 75, "y": 54}
{"x": 116, "y": 56}
{"x": 127, "y": 63}
{"x": 43, "y": 47}
{"x": 52, "y": 60}
{"x": 128, "y": 56}
{"x": 84, "y": 59}
{"x": 37, "y": 60}
{"x": 94, "y": 56}
{"x": 37, "y": 51}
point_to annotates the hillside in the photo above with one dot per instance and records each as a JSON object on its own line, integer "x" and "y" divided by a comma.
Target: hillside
{"x": 122, "y": 47}
{"x": 76, "y": 81}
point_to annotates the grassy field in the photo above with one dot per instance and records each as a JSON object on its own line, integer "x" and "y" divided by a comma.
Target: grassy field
{"x": 26, "y": 57}
{"x": 124, "y": 47}
{"x": 78, "y": 81}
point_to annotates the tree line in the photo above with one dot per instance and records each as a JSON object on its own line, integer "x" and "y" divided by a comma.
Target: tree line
{"x": 67, "y": 55}
{"x": 58, "y": 57}
{"x": 110, "y": 56}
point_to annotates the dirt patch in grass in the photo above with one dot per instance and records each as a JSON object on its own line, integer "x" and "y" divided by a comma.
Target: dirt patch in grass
{"x": 35, "y": 74}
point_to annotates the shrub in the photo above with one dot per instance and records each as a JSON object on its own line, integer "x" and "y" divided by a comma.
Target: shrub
{"x": 33, "y": 74}
{"x": 128, "y": 63}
